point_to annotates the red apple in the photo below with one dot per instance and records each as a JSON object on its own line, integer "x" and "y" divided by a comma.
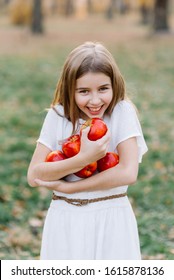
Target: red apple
{"x": 98, "y": 128}
{"x": 108, "y": 161}
{"x": 71, "y": 146}
{"x": 87, "y": 171}
{"x": 55, "y": 156}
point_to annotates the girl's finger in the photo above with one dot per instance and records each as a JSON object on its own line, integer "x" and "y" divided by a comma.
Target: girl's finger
{"x": 85, "y": 131}
{"x": 38, "y": 182}
{"x": 44, "y": 183}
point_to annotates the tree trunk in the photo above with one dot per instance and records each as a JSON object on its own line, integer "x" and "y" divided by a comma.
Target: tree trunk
{"x": 161, "y": 15}
{"x": 89, "y": 6}
{"x": 111, "y": 9}
{"x": 69, "y": 8}
{"x": 37, "y": 17}
{"x": 145, "y": 14}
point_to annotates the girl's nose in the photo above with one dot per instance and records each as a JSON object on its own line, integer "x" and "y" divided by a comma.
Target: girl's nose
{"x": 95, "y": 99}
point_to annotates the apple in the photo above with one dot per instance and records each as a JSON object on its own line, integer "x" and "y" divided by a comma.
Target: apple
{"x": 71, "y": 146}
{"x": 87, "y": 171}
{"x": 109, "y": 160}
{"x": 98, "y": 128}
{"x": 55, "y": 156}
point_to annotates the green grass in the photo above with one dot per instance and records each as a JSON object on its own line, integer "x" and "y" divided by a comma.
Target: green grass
{"x": 27, "y": 86}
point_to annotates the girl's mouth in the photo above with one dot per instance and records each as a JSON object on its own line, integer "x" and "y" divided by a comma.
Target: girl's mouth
{"x": 95, "y": 110}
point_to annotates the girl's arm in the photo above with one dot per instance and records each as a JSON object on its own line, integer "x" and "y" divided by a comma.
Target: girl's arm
{"x": 50, "y": 171}
{"x": 125, "y": 173}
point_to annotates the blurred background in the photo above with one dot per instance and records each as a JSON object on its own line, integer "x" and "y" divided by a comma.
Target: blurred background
{"x": 35, "y": 38}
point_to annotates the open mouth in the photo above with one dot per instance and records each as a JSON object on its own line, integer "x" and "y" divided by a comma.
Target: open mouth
{"x": 95, "y": 110}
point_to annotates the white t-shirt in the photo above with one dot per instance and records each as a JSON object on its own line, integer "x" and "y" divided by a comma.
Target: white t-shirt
{"x": 123, "y": 124}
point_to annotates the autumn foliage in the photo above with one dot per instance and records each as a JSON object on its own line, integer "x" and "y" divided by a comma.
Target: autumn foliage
{"x": 20, "y": 12}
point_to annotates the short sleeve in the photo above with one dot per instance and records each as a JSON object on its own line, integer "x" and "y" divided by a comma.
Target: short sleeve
{"x": 128, "y": 125}
{"x": 48, "y": 134}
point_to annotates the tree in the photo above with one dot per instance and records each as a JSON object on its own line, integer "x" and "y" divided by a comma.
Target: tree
{"x": 161, "y": 15}
{"x": 69, "y": 7}
{"x": 146, "y": 7}
{"x": 111, "y": 9}
{"x": 37, "y": 17}
{"x": 89, "y": 6}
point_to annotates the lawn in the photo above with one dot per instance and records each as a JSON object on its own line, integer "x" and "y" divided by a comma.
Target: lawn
{"x": 30, "y": 66}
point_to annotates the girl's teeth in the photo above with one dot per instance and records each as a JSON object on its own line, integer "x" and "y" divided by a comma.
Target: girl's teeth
{"x": 94, "y": 109}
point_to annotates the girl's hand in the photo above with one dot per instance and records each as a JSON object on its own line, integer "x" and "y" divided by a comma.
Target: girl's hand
{"x": 93, "y": 150}
{"x": 59, "y": 185}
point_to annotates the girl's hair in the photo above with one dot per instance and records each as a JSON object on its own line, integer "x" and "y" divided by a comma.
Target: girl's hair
{"x": 88, "y": 57}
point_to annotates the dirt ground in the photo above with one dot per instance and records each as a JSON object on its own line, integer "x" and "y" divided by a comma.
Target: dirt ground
{"x": 60, "y": 32}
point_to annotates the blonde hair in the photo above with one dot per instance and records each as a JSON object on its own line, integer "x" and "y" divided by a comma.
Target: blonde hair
{"x": 88, "y": 57}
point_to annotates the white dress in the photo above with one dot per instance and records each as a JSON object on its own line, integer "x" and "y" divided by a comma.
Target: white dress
{"x": 100, "y": 230}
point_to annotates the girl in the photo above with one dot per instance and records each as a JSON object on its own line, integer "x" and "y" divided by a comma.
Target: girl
{"x": 104, "y": 227}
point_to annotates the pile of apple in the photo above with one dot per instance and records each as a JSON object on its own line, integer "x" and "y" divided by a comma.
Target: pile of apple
{"x": 71, "y": 147}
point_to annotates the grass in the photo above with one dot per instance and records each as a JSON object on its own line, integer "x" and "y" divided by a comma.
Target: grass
{"x": 27, "y": 84}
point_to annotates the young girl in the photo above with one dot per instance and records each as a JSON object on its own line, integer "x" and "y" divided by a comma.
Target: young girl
{"x": 104, "y": 227}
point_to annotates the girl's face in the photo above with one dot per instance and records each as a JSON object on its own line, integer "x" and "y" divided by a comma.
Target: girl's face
{"x": 93, "y": 94}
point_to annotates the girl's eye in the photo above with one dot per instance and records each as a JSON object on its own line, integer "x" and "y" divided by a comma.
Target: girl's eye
{"x": 103, "y": 89}
{"x": 84, "y": 91}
